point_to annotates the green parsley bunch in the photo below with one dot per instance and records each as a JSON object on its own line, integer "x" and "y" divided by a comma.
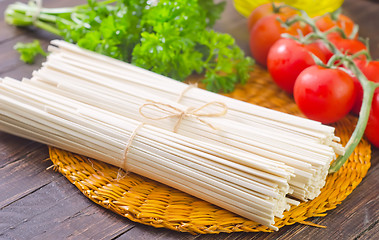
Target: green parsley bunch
{"x": 172, "y": 38}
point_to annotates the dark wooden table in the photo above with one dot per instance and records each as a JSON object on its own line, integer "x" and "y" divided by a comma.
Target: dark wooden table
{"x": 38, "y": 203}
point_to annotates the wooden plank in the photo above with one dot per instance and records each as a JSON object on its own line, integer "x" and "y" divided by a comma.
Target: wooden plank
{"x": 59, "y": 210}
{"x": 11, "y": 65}
{"x": 22, "y": 177}
{"x": 7, "y": 32}
{"x": 54, "y": 208}
{"x": 144, "y": 232}
{"x": 228, "y": 236}
{"x": 93, "y": 222}
{"x": 13, "y": 148}
{"x": 370, "y": 233}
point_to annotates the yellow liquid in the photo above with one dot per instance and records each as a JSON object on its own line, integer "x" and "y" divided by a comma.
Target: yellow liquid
{"x": 312, "y": 7}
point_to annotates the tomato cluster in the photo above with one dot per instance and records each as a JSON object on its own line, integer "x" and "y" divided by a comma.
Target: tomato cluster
{"x": 322, "y": 93}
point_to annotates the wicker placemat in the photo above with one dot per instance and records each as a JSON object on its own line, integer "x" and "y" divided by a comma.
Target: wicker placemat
{"x": 145, "y": 201}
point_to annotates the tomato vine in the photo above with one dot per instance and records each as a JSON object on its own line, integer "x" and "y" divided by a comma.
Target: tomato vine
{"x": 340, "y": 60}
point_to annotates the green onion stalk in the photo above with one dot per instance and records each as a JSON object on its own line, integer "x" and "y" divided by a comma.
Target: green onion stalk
{"x": 32, "y": 14}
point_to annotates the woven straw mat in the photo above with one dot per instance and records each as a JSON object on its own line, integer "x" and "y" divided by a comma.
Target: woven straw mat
{"x": 146, "y": 201}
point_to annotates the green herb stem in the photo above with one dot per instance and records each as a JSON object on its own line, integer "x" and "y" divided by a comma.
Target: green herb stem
{"x": 48, "y": 27}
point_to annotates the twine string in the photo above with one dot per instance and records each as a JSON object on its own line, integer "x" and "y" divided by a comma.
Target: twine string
{"x": 170, "y": 111}
{"x": 127, "y": 149}
{"x": 173, "y": 112}
{"x": 132, "y": 136}
{"x": 189, "y": 87}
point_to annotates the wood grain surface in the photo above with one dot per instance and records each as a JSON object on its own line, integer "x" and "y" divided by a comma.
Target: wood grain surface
{"x": 38, "y": 203}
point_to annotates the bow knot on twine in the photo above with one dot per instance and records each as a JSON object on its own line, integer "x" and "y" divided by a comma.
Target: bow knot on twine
{"x": 170, "y": 111}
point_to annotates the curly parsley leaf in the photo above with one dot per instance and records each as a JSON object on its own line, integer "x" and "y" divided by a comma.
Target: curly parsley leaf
{"x": 178, "y": 46}
{"x": 29, "y": 51}
{"x": 212, "y": 11}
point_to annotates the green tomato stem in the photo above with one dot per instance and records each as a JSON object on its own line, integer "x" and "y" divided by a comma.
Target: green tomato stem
{"x": 275, "y": 8}
{"x": 334, "y": 15}
{"x": 362, "y": 52}
{"x": 354, "y": 32}
{"x": 333, "y": 60}
{"x": 336, "y": 29}
{"x": 368, "y": 92}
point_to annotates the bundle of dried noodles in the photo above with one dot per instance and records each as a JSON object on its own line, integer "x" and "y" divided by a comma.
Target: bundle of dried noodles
{"x": 250, "y": 160}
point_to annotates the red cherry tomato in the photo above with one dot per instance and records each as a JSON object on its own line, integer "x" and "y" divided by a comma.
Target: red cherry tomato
{"x": 266, "y": 32}
{"x": 287, "y": 59}
{"x": 349, "y": 46}
{"x": 371, "y": 71}
{"x": 345, "y": 23}
{"x": 324, "y": 94}
{"x": 372, "y": 129}
{"x": 321, "y": 46}
{"x": 266, "y": 10}
{"x": 358, "y": 96}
